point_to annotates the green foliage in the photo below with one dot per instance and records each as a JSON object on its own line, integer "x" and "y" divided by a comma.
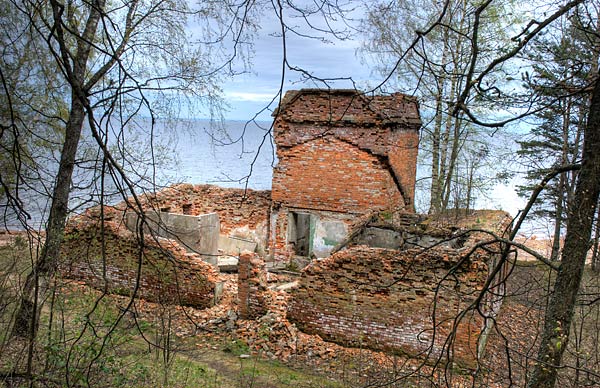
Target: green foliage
{"x": 562, "y": 68}
{"x": 292, "y": 266}
{"x": 386, "y": 215}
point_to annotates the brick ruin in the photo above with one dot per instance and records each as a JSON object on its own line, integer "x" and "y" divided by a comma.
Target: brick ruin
{"x": 379, "y": 276}
{"x": 396, "y": 286}
{"x": 253, "y": 292}
{"x": 243, "y": 214}
{"x": 342, "y": 155}
{"x": 108, "y": 257}
{"x": 403, "y": 299}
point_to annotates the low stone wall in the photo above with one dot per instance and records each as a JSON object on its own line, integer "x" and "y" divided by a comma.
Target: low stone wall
{"x": 113, "y": 260}
{"x": 386, "y": 299}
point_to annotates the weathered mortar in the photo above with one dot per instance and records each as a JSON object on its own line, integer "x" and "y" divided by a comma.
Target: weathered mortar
{"x": 330, "y": 174}
{"x": 403, "y": 300}
{"x": 111, "y": 259}
{"x": 384, "y": 299}
{"x": 169, "y": 272}
{"x": 341, "y": 152}
{"x": 252, "y": 286}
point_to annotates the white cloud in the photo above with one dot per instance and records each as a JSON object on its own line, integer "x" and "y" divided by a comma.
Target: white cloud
{"x": 249, "y": 96}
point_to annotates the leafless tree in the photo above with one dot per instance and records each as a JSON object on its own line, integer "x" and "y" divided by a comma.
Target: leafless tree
{"x": 99, "y": 66}
{"x": 482, "y": 80}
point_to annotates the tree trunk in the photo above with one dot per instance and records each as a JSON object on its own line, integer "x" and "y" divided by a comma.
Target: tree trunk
{"x": 580, "y": 219}
{"x": 558, "y": 216}
{"x": 454, "y": 123}
{"x": 456, "y": 145}
{"x": 560, "y": 192}
{"x": 554, "y": 254}
{"x": 471, "y": 172}
{"x": 38, "y": 279}
{"x": 595, "y": 258}
{"x": 436, "y": 157}
{"x": 75, "y": 66}
{"x": 434, "y": 202}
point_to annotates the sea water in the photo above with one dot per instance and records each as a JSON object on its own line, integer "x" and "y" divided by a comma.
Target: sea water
{"x": 228, "y": 153}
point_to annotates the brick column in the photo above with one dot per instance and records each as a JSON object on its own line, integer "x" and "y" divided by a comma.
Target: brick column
{"x": 252, "y": 281}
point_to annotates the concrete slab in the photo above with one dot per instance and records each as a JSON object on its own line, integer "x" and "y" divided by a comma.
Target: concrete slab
{"x": 228, "y": 263}
{"x": 199, "y": 234}
{"x": 235, "y": 245}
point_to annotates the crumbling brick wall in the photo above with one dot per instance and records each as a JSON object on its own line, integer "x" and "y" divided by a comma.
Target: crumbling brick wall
{"x": 387, "y": 299}
{"x": 342, "y": 151}
{"x": 110, "y": 260}
{"x": 340, "y": 139}
{"x": 402, "y": 155}
{"x": 331, "y": 174}
{"x": 242, "y": 213}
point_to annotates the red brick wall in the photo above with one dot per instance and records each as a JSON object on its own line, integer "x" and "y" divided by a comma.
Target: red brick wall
{"x": 383, "y": 299}
{"x": 402, "y": 156}
{"x": 168, "y": 273}
{"x": 340, "y": 151}
{"x": 325, "y": 106}
{"x": 282, "y": 253}
{"x": 352, "y": 143}
{"x": 330, "y": 174}
{"x": 375, "y": 139}
{"x": 237, "y": 208}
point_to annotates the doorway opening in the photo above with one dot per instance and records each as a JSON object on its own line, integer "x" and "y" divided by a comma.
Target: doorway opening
{"x": 299, "y": 233}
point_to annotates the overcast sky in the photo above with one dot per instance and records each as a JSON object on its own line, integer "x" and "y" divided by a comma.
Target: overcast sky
{"x": 249, "y": 93}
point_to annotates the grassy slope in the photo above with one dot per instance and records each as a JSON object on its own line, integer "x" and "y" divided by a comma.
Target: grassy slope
{"x": 74, "y": 346}
{"x": 86, "y": 338}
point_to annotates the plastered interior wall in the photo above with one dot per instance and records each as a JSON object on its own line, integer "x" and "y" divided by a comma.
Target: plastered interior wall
{"x": 199, "y": 234}
{"x": 325, "y": 231}
{"x": 243, "y": 214}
